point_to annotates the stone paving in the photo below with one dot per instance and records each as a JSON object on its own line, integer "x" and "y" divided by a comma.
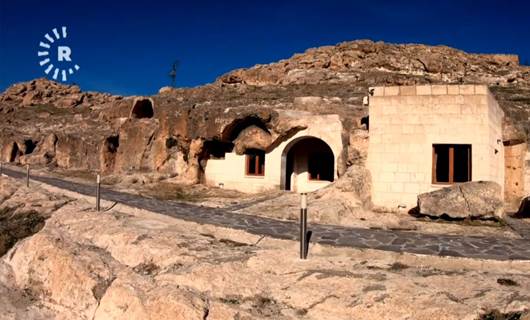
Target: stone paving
{"x": 389, "y": 240}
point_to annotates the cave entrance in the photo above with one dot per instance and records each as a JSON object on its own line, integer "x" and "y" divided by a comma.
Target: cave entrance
{"x": 30, "y": 146}
{"x": 142, "y": 109}
{"x": 109, "y": 152}
{"x": 306, "y": 161}
{"x": 14, "y": 152}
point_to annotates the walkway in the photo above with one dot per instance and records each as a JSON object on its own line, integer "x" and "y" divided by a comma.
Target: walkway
{"x": 389, "y": 240}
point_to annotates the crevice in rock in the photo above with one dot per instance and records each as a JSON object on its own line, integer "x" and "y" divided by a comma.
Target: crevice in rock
{"x": 497, "y": 315}
{"x": 15, "y": 226}
{"x": 316, "y": 303}
{"x": 99, "y": 291}
{"x": 206, "y": 308}
{"x": 468, "y": 206}
{"x": 101, "y": 287}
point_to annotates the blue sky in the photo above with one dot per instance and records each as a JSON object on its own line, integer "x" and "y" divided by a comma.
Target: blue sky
{"x": 127, "y": 47}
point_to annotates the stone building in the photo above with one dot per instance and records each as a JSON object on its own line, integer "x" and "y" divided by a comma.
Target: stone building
{"x": 304, "y": 162}
{"x": 423, "y": 138}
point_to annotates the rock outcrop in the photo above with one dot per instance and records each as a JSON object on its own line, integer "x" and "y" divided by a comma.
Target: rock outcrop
{"x": 138, "y": 265}
{"x": 366, "y": 60}
{"x": 23, "y": 212}
{"x": 480, "y": 199}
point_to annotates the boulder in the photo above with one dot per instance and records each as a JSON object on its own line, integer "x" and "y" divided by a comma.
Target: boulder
{"x": 252, "y": 137}
{"x": 476, "y": 199}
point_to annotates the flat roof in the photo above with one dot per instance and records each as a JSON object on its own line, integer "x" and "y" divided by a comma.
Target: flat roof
{"x": 427, "y": 90}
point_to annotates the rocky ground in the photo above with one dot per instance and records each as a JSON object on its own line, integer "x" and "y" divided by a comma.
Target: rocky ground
{"x": 132, "y": 264}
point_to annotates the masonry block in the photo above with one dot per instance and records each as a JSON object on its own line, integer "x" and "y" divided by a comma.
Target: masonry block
{"x": 423, "y": 90}
{"x": 408, "y": 90}
{"x": 453, "y": 89}
{"x": 467, "y": 89}
{"x": 392, "y": 91}
{"x": 439, "y": 89}
{"x": 481, "y": 89}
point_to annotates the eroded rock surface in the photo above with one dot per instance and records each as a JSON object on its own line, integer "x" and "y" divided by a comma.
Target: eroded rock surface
{"x": 139, "y": 265}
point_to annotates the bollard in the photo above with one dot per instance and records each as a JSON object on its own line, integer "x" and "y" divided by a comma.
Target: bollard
{"x": 27, "y": 175}
{"x": 303, "y": 226}
{"x": 98, "y": 192}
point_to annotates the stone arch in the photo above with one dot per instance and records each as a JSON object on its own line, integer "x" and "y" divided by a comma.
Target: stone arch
{"x": 309, "y": 156}
{"x": 232, "y": 131}
{"x": 142, "y": 108}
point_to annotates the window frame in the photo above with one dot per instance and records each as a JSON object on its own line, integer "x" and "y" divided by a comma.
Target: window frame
{"x": 451, "y": 156}
{"x": 257, "y": 154}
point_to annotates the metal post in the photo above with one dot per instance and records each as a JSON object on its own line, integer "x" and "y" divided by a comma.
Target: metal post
{"x": 98, "y": 192}
{"x": 303, "y": 226}
{"x": 27, "y": 175}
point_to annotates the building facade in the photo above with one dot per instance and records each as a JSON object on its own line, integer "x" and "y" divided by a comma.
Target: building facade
{"x": 423, "y": 138}
{"x": 304, "y": 162}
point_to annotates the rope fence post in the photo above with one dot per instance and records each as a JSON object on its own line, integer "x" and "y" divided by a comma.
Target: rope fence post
{"x": 303, "y": 226}
{"x": 27, "y": 175}
{"x": 98, "y": 192}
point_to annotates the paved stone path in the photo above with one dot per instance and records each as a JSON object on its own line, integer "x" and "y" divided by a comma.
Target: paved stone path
{"x": 389, "y": 240}
{"x": 521, "y": 226}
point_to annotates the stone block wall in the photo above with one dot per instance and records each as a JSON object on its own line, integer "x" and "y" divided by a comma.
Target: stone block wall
{"x": 406, "y": 121}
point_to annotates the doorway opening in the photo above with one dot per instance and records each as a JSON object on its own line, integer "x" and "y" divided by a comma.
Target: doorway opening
{"x": 306, "y": 160}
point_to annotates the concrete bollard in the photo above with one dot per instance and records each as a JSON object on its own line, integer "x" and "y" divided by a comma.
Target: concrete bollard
{"x": 98, "y": 192}
{"x": 303, "y": 226}
{"x": 27, "y": 175}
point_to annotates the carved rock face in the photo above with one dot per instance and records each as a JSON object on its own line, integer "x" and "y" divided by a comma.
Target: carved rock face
{"x": 252, "y": 137}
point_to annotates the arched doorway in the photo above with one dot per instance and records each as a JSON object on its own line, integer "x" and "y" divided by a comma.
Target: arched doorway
{"x": 307, "y": 163}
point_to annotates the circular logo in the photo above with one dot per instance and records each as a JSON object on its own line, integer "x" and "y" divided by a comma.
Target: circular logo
{"x": 56, "y": 55}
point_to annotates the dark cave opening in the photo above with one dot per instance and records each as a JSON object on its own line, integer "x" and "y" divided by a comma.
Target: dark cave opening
{"x": 142, "y": 108}
{"x": 112, "y": 143}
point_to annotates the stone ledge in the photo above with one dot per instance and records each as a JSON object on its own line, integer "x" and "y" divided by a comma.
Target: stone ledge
{"x": 427, "y": 90}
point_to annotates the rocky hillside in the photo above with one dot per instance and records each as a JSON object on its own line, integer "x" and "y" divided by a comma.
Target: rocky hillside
{"x": 379, "y": 63}
{"x": 176, "y": 131}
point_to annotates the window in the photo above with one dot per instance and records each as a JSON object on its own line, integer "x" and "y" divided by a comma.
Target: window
{"x": 451, "y": 163}
{"x": 255, "y": 162}
{"x": 320, "y": 166}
